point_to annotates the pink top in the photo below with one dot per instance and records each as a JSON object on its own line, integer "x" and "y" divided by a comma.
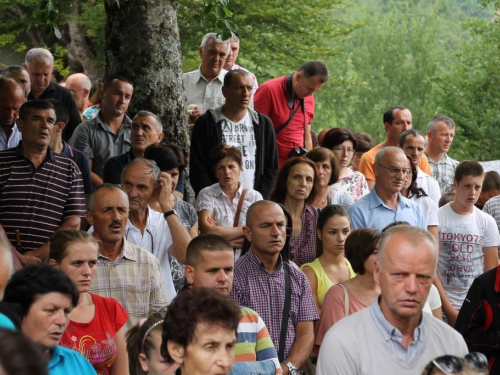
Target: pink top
{"x": 333, "y": 310}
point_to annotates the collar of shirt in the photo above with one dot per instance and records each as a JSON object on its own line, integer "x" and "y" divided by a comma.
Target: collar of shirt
{"x": 218, "y": 191}
{"x": 48, "y": 157}
{"x": 56, "y": 357}
{"x": 256, "y": 262}
{"x": 220, "y": 76}
{"x": 388, "y": 330}
{"x": 126, "y": 124}
{"x": 127, "y": 252}
{"x": 375, "y": 201}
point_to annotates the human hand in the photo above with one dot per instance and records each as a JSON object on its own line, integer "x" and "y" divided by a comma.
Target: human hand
{"x": 165, "y": 181}
{"x": 28, "y": 260}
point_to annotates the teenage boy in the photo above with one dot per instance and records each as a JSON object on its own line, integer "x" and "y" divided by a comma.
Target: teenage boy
{"x": 468, "y": 239}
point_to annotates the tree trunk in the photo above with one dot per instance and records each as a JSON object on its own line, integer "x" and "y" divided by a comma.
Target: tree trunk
{"x": 142, "y": 44}
{"x": 80, "y": 55}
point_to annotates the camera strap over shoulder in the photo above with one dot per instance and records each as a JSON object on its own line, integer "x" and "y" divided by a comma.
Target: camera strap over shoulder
{"x": 290, "y": 101}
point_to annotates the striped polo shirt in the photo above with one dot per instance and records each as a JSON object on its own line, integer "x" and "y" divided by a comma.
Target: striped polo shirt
{"x": 36, "y": 201}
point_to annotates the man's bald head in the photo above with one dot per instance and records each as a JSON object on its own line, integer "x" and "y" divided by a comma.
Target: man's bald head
{"x": 12, "y": 97}
{"x": 79, "y": 85}
{"x": 257, "y": 207}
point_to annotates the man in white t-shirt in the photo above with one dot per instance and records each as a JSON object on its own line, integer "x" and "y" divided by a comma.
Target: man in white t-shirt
{"x": 468, "y": 239}
{"x": 237, "y": 125}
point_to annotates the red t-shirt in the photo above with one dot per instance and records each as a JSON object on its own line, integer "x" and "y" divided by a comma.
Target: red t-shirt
{"x": 271, "y": 100}
{"x": 96, "y": 340}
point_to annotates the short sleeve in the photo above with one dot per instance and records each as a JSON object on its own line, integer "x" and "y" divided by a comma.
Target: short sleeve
{"x": 81, "y": 139}
{"x": 433, "y": 298}
{"x": 204, "y": 201}
{"x": 307, "y": 308}
{"x": 491, "y": 236}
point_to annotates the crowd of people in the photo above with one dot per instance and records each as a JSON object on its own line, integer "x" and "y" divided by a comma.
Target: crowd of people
{"x": 302, "y": 254}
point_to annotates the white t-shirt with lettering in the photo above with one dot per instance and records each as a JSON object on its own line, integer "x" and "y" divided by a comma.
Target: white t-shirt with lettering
{"x": 461, "y": 242}
{"x": 240, "y": 134}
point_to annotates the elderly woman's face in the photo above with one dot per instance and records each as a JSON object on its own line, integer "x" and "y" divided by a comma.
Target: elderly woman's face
{"x": 300, "y": 181}
{"x": 47, "y": 319}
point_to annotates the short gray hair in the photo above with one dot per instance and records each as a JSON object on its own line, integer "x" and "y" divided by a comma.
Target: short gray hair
{"x": 411, "y": 234}
{"x": 40, "y": 55}
{"x": 432, "y": 126}
{"x": 217, "y": 39}
{"x": 381, "y": 153}
{"x": 153, "y": 170}
{"x": 150, "y": 114}
{"x": 91, "y": 198}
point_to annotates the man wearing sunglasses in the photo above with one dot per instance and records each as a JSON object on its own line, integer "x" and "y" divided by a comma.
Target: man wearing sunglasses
{"x": 385, "y": 204}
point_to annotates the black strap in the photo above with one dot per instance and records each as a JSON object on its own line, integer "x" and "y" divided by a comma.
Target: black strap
{"x": 290, "y": 101}
{"x": 286, "y": 313}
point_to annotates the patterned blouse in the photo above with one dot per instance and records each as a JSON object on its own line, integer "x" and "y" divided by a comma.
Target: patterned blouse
{"x": 353, "y": 183}
{"x": 303, "y": 247}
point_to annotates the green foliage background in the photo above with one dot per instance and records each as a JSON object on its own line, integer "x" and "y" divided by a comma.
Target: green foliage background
{"x": 434, "y": 56}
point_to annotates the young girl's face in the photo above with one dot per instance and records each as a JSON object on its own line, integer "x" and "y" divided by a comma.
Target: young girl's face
{"x": 156, "y": 364}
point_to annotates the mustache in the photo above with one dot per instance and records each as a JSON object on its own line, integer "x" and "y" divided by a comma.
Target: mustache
{"x": 113, "y": 223}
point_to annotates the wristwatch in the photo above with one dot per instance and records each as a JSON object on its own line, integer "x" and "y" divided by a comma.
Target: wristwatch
{"x": 291, "y": 368}
{"x": 168, "y": 213}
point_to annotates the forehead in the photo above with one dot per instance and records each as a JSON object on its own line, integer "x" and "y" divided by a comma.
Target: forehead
{"x": 241, "y": 79}
{"x": 401, "y": 113}
{"x": 118, "y": 85}
{"x": 268, "y": 213}
{"x": 139, "y": 170}
{"x": 402, "y": 254}
{"x": 471, "y": 180}
{"x": 396, "y": 159}
{"x": 443, "y": 128}
{"x": 40, "y": 67}
{"x": 414, "y": 140}
{"x": 314, "y": 81}
{"x": 81, "y": 249}
{"x": 73, "y": 83}
{"x": 217, "y": 258}
{"x": 145, "y": 120}
{"x": 212, "y": 332}
{"x": 21, "y": 74}
{"x": 226, "y": 161}
{"x": 234, "y": 43}
{"x": 302, "y": 169}
{"x": 42, "y": 112}
{"x": 110, "y": 198}
{"x": 213, "y": 45}
{"x": 53, "y": 298}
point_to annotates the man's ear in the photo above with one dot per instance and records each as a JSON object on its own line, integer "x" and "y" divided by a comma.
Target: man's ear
{"x": 200, "y": 51}
{"x": 86, "y": 93}
{"x": 189, "y": 273}
{"x": 247, "y": 233}
{"x": 176, "y": 351}
{"x": 376, "y": 274}
{"x": 89, "y": 217}
{"x": 386, "y": 125}
{"x": 61, "y": 125}
{"x": 19, "y": 124}
{"x": 25, "y": 66}
{"x": 53, "y": 263}
{"x": 160, "y": 137}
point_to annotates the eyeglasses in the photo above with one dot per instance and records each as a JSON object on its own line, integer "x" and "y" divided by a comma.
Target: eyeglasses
{"x": 450, "y": 364}
{"x": 342, "y": 149}
{"x": 396, "y": 170}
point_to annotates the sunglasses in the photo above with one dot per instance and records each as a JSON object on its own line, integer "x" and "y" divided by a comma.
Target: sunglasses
{"x": 450, "y": 364}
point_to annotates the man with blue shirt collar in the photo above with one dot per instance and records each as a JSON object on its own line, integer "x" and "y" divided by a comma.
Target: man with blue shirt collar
{"x": 385, "y": 204}
{"x": 393, "y": 336}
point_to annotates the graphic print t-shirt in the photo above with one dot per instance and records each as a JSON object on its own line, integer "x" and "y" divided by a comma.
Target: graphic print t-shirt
{"x": 461, "y": 242}
{"x": 240, "y": 134}
{"x": 96, "y": 340}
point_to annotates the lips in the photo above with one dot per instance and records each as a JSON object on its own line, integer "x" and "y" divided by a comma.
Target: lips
{"x": 56, "y": 336}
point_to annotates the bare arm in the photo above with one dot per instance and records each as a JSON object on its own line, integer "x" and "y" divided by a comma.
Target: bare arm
{"x": 307, "y": 138}
{"x": 370, "y": 183}
{"x": 450, "y": 312}
{"x": 229, "y": 233}
{"x": 304, "y": 339}
{"x": 180, "y": 236}
{"x": 490, "y": 258}
{"x": 120, "y": 367}
{"x": 313, "y": 281}
{"x": 433, "y": 229}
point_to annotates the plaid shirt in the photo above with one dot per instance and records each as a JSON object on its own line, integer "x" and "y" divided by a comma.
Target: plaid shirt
{"x": 303, "y": 247}
{"x": 134, "y": 279}
{"x": 255, "y": 288}
{"x": 444, "y": 172}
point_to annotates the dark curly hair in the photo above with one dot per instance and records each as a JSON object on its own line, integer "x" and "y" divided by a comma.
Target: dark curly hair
{"x": 359, "y": 245}
{"x": 30, "y": 282}
{"x": 195, "y": 306}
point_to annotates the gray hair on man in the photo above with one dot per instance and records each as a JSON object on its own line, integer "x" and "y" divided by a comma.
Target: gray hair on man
{"x": 380, "y": 155}
{"x": 40, "y": 55}
{"x": 411, "y": 234}
{"x": 91, "y": 198}
{"x": 153, "y": 170}
{"x": 217, "y": 39}
{"x": 150, "y": 114}
{"x": 432, "y": 126}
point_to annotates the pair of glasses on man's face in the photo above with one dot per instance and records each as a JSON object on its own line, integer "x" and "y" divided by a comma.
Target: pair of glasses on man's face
{"x": 449, "y": 364}
{"x": 396, "y": 171}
